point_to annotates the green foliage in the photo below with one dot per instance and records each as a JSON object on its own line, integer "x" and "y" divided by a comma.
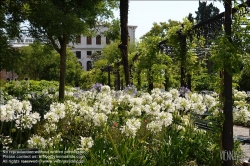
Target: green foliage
{"x": 151, "y": 61}
{"x": 205, "y": 11}
{"x": 244, "y": 81}
{"x": 41, "y": 62}
{"x": 113, "y": 32}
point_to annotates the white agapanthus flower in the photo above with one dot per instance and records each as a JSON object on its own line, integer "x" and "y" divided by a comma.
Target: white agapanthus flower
{"x": 167, "y": 96}
{"x": 241, "y": 115}
{"x": 182, "y": 104}
{"x": 175, "y": 93}
{"x": 100, "y": 119}
{"x": 131, "y": 127}
{"x": 198, "y": 108}
{"x": 57, "y": 111}
{"x": 22, "y": 115}
{"x": 37, "y": 142}
{"x": 105, "y": 89}
{"x": 52, "y": 117}
{"x": 146, "y": 99}
{"x": 239, "y": 95}
{"x": 168, "y": 106}
{"x": 165, "y": 118}
{"x": 155, "y": 126}
{"x": 86, "y": 143}
{"x": 71, "y": 107}
{"x": 24, "y": 121}
{"x": 195, "y": 97}
{"x": 136, "y": 111}
{"x": 100, "y": 107}
{"x": 50, "y": 127}
{"x": 7, "y": 113}
{"x": 135, "y": 102}
{"x": 209, "y": 101}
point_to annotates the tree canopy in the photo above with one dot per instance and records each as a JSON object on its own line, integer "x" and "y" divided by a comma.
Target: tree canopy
{"x": 205, "y": 11}
{"x": 59, "y": 22}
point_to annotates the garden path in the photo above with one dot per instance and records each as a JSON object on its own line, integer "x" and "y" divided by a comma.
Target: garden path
{"x": 239, "y": 130}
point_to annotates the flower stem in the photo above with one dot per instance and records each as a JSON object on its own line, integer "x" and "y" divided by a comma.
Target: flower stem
{"x": 113, "y": 144}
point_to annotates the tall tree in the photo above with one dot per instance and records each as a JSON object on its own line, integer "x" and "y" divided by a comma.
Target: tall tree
{"x": 41, "y": 62}
{"x": 205, "y": 11}
{"x": 9, "y": 27}
{"x": 59, "y": 22}
{"x": 124, "y": 38}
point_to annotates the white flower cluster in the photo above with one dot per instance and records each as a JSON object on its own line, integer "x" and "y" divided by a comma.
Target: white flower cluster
{"x": 37, "y": 142}
{"x": 57, "y": 111}
{"x": 20, "y": 112}
{"x": 131, "y": 127}
{"x": 86, "y": 143}
{"x": 241, "y": 108}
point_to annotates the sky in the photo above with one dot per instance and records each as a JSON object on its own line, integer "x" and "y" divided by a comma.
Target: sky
{"x": 143, "y": 13}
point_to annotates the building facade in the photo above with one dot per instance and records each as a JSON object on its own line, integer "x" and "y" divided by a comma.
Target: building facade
{"x": 83, "y": 49}
{"x": 86, "y": 46}
{"x": 15, "y": 43}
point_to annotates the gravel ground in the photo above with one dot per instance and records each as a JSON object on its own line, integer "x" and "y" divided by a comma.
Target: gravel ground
{"x": 238, "y": 130}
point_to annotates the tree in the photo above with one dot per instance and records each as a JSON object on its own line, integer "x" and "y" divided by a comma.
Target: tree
{"x": 205, "y": 11}
{"x": 41, "y": 62}
{"x": 161, "y": 29}
{"x": 114, "y": 32}
{"x": 59, "y": 22}
{"x": 151, "y": 61}
{"x": 124, "y": 38}
{"x": 8, "y": 29}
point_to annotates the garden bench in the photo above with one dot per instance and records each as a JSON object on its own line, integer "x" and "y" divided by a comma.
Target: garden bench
{"x": 201, "y": 122}
{"x": 19, "y": 157}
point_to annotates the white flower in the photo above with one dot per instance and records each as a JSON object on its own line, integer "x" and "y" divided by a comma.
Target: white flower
{"x": 198, "y": 108}
{"x": 99, "y": 119}
{"x": 131, "y": 127}
{"x": 146, "y": 99}
{"x": 105, "y": 89}
{"x": 37, "y": 142}
{"x": 182, "y": 104}
{"x": 155, "y": 126}
{"x": 209, "y": 101}
{"x": 165, "y": 118}
{"x": 50, "y": 127}
{"x": 86, "y": 143}
{"x": 167, "y": 96}
{"x": 26, "y": 106}
{"x": 175, "y": 93}
{"x": 168, "y": 106}
{"x": 51, "y": 117}
{"x": 136, "y": 111}
{"x": 241, "y": 115}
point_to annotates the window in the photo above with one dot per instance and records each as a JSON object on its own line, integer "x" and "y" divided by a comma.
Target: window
{"x": 107, "y": 40}
{"x": 98, "y": 39}
{"x": 89, "y": 65}
{"x": 89, "y": 53}
{"x": 89, "y": 40}
{"x": 78, "y": 39}
{"x": 78, "y": 54}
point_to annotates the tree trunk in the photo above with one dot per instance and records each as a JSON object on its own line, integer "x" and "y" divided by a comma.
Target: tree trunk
{"x": 227, "y": 133}
{"x": 124, "y": 38}
{"x": 63, "y": 57}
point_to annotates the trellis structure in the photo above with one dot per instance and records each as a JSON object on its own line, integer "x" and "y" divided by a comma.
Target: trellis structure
{"x": 209, "y": 29}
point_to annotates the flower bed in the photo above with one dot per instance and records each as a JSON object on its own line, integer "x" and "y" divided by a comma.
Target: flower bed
{"x": 117, "y": 127}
